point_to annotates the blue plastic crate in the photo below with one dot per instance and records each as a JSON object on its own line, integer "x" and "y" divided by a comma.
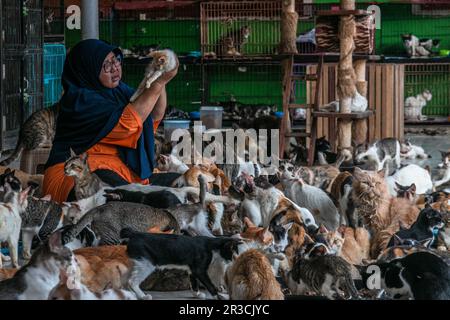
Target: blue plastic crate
{"x": 54, "y": 57}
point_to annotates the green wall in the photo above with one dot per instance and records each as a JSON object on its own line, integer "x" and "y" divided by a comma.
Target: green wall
{"x": 262, "y": 84}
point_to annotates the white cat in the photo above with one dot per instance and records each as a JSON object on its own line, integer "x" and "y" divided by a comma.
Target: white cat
{"x": 379, "y": 152}
{"x": 414, "y": 105}
{"x": 359, "y": 104}
{"x": 163, "y": 61}
{"x": 311, "y": 198}
{"x": 411, "y": 151}
{"x": 10, "y": 220}
{"x": 171, "y": 163}
{"x": 408, "y": 175}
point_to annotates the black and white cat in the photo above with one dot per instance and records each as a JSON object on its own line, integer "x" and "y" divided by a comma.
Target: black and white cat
{"x": 427, "y": 226}
{"x": 408, "y": 175}
{"x": 379, "y": 152}
{"x": 416, "y": 47}
{"x": 147, "y": 252}
{"x": 419, "y": 275}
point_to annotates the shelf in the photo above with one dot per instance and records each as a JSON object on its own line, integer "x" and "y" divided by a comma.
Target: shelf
{"x": 298, "y": 134}
{"x": 343, "y": 13}
{"x": 327, "y": 57}
{"x": 353, "y": 115}
{"x": 299, "y": 106}
{"x": 244, "y": 60}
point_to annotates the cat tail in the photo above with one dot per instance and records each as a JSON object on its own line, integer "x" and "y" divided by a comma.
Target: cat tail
{"x": 127, "y": 233}
{"x": 202, "y": 182}
{"x": 15, "y": 155}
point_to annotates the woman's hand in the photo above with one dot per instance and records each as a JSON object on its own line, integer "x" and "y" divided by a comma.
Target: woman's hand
{"x": 167, "y": 76}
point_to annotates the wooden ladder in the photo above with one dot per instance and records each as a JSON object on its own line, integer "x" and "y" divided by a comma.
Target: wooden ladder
{"x": 311, "y": 121}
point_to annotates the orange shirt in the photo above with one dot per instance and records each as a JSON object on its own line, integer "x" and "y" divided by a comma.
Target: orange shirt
{"x": 103, "y": 155}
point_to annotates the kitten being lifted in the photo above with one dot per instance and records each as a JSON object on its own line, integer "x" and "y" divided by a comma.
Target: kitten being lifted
{"x": 163, "y": 61}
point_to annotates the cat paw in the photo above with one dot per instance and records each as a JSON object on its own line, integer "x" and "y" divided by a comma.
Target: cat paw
{"x": 5, "y": 258}
{"x": 200, "y": 295}
{"x": 221, "y": 296}
{"x": 147, "y": 297}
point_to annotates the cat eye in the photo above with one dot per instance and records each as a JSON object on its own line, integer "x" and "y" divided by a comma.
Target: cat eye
{"x": 108, "y": 65}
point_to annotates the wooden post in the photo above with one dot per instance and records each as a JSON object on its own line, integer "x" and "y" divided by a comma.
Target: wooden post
{"x": 289, "y": 19}
{"x": 360, "y": 125}
{"x": 346, "y": 75}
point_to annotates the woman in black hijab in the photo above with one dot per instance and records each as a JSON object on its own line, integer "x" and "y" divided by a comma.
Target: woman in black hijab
{"x": 96, "y": 118}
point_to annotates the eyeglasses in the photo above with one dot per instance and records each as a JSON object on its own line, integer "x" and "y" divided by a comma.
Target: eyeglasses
{"x": 108, "y": 65}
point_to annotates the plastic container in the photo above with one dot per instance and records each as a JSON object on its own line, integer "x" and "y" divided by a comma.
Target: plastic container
{"x": 172, "y": 125}
{"x": 195, "y": 115}
{"x": 279, "y": 114}
{"x": 211, "y": 116}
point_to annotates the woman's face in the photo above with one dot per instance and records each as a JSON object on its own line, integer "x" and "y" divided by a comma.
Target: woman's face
{"x": 111, "y": 72}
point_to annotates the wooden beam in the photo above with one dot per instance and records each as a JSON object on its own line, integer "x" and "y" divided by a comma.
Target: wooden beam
{"x": 289, "y": 19}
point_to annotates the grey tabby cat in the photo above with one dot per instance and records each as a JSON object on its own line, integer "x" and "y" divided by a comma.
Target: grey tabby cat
{"x": 86, "y": 182}
{"x": 107, "y": 220}
{"x": 37, "y": 131}
{"x": 321, "y": 272}
{"x": 41, "y": 218}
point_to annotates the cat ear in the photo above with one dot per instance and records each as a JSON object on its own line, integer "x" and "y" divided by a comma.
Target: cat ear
{"x": 397, "y": 186}
{"x": 24, "y": 194}
{"x": 8, "y": 170}
{"x": 47, "y": 197}
{"x": 322, "y": 229}
{"x": 427, "y": 167}
{"x": 342, "y": 229}
{"x": 382, "y": 173}
{"x": 357, "y": 171}
{"x": 72, "y": 153}
{"x": 84, "y": 156}
{"x": 66, "y": 204}
{"x": 308, "y": 239}
{"x": 248, "y": 222}
{"x": 412, "y": 187}
{"x": 397, "y": 240}
{"x": 426, "y": 242}
{"x": 443, "y": 154}
{"x": 55, "y": 242}
{"x": 288, "y": 226}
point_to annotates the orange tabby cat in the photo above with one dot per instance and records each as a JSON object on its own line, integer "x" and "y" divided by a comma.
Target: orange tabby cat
{"x": 250, "y": 277}
{"x": 257, "y": 234}
{"x": 356, "y": 246}
{"x": 6, "y": 273}
{"x": 381, "y": 213}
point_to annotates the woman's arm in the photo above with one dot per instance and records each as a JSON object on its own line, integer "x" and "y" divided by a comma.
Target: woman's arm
{"x": 149, "y": 99}
{"x": 160, "y": 106}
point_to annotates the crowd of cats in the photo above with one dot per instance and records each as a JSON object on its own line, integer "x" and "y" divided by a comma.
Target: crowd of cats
{"x": 232, "y": 231}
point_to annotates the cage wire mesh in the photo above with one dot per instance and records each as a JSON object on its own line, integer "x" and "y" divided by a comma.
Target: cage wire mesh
{"x": 225, "y": 24}
{"x": 434, "y": 77}
{"x": 11, "y": 13}
{"x": 54, "y": 20}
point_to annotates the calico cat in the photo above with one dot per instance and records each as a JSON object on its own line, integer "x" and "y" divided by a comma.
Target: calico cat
{"x": 150, "y": 251}
{"x": 71, "y": 288}
{"x": 322, "y": 273}
{"x": 163, "y": 61}
{"x": 427, "y": 226}
{"x": 37, "y": 131}
{"x": 14, "y": 205}
{"x": 86, "y": 182}
{"x": 250, "y": 277}
{"x": 21, "y": 178}
{"x": 408, "y": 175}
{"x": 419, "y": 275}
{"x": 232, "y": 43}
{"x": 261, "y": 205}
{"x": 260, "y": 235}
{"x": 378, "y": 152}
{"x": 35, "y": 280}
{"x": 107, "y": 220}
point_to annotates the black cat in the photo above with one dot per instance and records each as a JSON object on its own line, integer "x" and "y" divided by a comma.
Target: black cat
{"x": 425, "y": 227}
{"x": 419, "y": 275}
{"x": 195, "y": 254}
{"x": 158, "y": 199}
